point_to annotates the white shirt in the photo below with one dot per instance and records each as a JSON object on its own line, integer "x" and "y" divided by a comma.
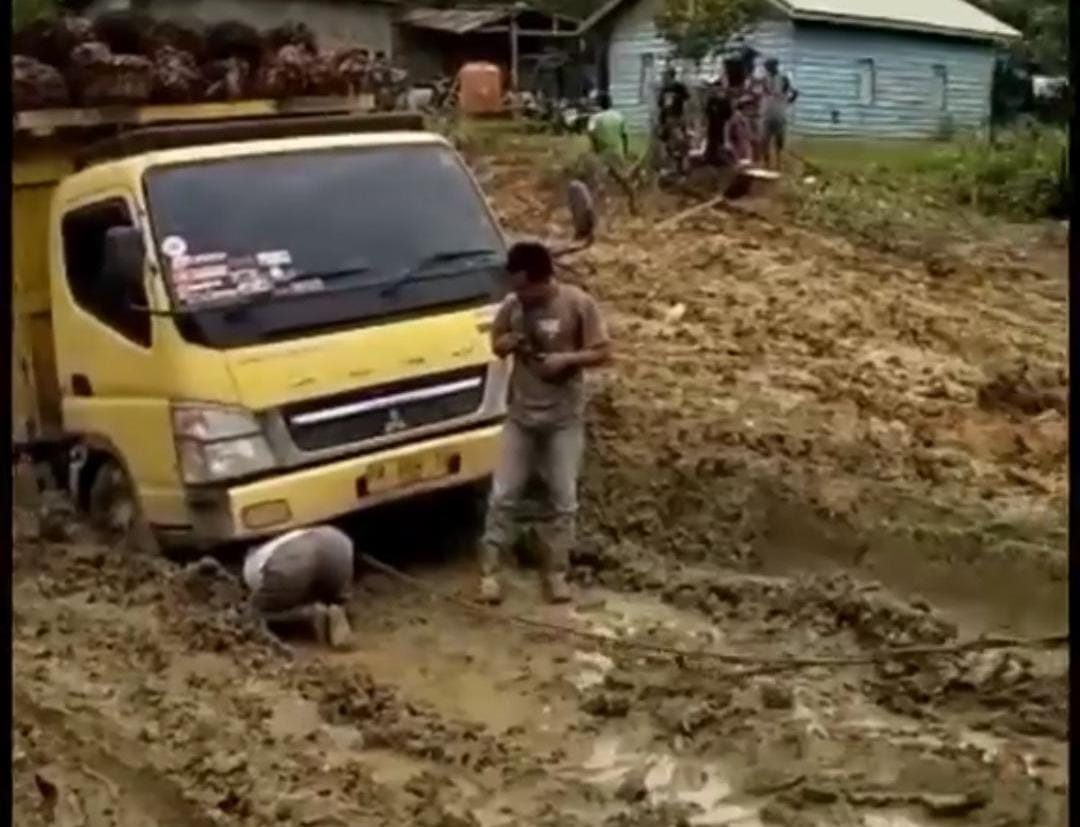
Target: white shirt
{"x": 256, "y": 558}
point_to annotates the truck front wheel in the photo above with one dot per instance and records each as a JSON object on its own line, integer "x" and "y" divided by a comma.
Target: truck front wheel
{"x": 114, "y": 511}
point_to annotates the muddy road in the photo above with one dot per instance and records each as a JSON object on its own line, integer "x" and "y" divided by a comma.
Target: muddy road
{"x": 806, "y": 449}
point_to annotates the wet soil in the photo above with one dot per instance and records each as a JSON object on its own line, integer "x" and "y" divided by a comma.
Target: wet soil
{"x": 804, "y": 450}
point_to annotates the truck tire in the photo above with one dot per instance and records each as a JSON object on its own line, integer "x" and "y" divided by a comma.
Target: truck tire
{"x": 114, "y": 510}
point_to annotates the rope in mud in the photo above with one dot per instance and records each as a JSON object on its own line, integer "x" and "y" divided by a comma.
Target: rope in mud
{"x": 874, "y": 656}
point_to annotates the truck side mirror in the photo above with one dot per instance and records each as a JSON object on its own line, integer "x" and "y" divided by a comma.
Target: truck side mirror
{"x": 124, "y": 257}
{"x": 582, "y": 211}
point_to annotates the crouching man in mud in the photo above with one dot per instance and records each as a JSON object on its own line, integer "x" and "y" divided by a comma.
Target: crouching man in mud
{"x": 301, "y": 580}
{"x": 554, "y": 332}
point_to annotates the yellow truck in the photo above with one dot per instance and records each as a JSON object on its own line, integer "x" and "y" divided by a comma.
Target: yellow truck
{"x": 236, "y": 319}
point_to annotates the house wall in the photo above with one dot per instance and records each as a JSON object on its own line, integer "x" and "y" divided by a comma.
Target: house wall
{"x": 825, "y": 69}
{"x": 633, "y": 38}
{"x": 336, "y": 23}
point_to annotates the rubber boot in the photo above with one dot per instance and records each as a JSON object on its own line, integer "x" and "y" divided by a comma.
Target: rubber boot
{"x": 338, "y": 630}
{"x": 320, "y": 623}
{"x": 556, "y": 588}
{"x": 490, "y": 591}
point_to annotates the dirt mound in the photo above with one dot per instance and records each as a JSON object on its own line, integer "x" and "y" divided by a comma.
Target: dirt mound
{"x": 757, "y": 357}
{"x": 827, "y": 605}
{"x": 1026, "y": 391}
{"x": 207, "y": 583}
{"x": 1001, "y": 691}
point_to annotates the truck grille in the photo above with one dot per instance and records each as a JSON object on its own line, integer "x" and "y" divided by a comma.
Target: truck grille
{"x": 385, "y": 410}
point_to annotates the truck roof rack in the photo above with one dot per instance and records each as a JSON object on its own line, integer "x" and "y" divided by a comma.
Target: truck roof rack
{"x": 173, "y": 136}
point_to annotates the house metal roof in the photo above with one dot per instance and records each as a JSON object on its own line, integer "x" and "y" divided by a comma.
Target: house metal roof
{"x": 463, "y": 21}
{"x": 947, "y": 17}
{"x": 944, "y": 16}
{"x": 455, "y": 21}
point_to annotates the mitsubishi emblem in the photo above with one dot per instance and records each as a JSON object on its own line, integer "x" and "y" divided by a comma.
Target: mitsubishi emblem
{"x": 394, "y": 423}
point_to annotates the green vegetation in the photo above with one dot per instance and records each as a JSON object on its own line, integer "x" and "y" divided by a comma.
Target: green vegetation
{"x": 26, "y": 11}
{"x": 697, "y": 29}
{"x": 1021, "y": 175}
{"x": 883, "y": 192}
{"x": 1045, "y": 26}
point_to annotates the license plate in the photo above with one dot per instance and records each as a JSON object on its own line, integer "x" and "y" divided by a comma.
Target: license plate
{"x": 401, "y": 473}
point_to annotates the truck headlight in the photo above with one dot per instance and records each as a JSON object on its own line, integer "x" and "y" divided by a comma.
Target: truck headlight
{"x": 218, "y": 443}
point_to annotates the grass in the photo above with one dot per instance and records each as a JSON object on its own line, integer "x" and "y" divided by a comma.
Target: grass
{"x": 890, "y": 193}
{"x": 857, "y": 155}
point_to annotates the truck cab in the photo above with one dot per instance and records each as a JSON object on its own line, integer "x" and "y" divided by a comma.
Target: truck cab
{"x": 248, "y": 327}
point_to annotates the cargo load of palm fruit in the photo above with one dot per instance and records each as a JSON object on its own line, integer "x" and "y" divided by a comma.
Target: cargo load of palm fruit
{"x": 129, "y": 58}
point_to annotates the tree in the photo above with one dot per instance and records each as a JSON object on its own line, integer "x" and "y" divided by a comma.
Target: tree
{"x": 699, "y": 29}
{"x": 26, "y": 11}
{"x": 1044, "y": 25}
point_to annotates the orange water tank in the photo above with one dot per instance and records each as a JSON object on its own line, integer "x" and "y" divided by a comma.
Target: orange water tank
{"x": 480, "y": 88}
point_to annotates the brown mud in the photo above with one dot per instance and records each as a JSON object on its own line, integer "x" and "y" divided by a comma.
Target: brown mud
{"x": 805, "y": 450}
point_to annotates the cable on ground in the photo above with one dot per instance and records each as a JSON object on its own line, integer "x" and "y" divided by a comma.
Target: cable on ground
{"x": 772, "y": 662}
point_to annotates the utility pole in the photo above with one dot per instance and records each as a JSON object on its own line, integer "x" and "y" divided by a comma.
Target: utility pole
{"x": 515, "y": 10}
{"x": 513, "y": 51}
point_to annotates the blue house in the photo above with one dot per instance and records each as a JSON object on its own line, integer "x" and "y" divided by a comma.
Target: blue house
{"x": 884, "y": 68}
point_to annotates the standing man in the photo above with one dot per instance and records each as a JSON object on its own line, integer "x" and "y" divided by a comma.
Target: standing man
{"x": 671, "y": 118}
{"x": 739, "y": 133}
{"x": 555, "y": 332}
{"x": 777, "y": 95}
{"x": 718, "y": 111}
{"x": 607, "y": 132}
{"x": 302, "y": 579}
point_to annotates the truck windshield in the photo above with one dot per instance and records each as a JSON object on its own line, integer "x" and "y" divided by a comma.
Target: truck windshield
{"x": 277, "y": 246}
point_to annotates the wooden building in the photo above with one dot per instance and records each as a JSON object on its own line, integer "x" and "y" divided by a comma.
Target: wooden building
{"x": 917, "y": 68}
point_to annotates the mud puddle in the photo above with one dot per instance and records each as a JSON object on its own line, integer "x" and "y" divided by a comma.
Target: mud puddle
{"x": 443, "y": 717}
{"x": 617, "y": 731}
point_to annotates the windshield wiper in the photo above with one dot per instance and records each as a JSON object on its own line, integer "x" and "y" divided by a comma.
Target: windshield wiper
{"x": 358, "y": 270}
{"x": 412, "y": 273}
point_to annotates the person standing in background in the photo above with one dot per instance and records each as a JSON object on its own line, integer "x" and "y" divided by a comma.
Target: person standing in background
{"x": 607, "y": 132}
{"x": 777, "y": 95}
{"x": 718, "y": 111}
{"x": 739, "y": 133}
{"x": 671, "y": 119}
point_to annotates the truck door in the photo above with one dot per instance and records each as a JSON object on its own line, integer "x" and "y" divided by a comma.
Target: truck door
{"x": 112, "y": 381}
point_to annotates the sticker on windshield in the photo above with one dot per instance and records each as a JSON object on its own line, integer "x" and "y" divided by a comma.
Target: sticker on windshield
{"x": 213, "y": 277}
{"x": 274, "y": 258}
{"x": 253, "y": 283}
{"x": 213, "y": 272}
{"x": 174, "y": 246}
{"x": 307, "y": 286}
{"x": 200, "y": 278}
{"x": 207, "y": 258}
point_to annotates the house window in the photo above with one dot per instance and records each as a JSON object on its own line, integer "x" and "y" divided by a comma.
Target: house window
{"x": 84, "y": 232}
{"x": 939, "y": 88}
{"x": 865, "y": 82}
{"x": 647, "y": 78}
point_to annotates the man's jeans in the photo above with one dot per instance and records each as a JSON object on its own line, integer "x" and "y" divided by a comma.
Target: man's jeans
{"x": 554, "y": 454}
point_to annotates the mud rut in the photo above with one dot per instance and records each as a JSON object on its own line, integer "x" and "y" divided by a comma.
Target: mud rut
{"x": 832, "y": 510}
